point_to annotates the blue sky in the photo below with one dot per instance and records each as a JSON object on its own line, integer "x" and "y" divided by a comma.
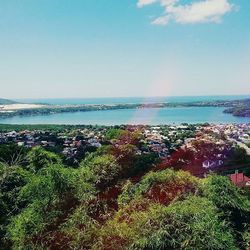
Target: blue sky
{"x": 106, "y": 48}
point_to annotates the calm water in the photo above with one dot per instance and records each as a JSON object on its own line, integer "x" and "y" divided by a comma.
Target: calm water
{"x": 129, "y": 116}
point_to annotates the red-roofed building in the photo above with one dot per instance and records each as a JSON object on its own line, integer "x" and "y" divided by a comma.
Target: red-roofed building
{"x": 240, "y": 180}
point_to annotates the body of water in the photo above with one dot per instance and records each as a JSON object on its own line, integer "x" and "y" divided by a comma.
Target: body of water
{"x": 131, "y": 116}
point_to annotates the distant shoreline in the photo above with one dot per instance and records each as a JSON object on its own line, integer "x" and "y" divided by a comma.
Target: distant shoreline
{"x": 19, "y": 106}
{"x": 240, "y": 108}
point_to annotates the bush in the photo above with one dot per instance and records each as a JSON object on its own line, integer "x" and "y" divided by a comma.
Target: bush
{"x": 105, "y": 169}
{"x": 227, "y": 197}
{"x": 50, "y": 195}
{"x": 81, "y": 229}
{"x": 29, "y": 223}
{"x": 12, "y": 179}
{"x": 39, "y": 158}
{"x": 162, "y": 187}
{"x": 12, "y": 154}
{"x": 246, "y": 238}
{"x": 114, "y": 134}
{"x": 233, "y": 204}
{"x": 190, "y": 224}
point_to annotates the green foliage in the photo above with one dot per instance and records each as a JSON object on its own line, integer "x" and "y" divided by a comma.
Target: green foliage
{"x": 48, "y": 183}
{"x": 81, "y": 229}
{"x": 190, "y": 224}
{"x": 106, "y": 149}
{"x": 225, "y": 195}
{"x": 12, "y": 179}
{"x": 29, "y": 223}
{"x": 39, "y": 158}
{"x": 114, "y": 133}
{"x": 50, "y": 194}
{"x": 13, "y": 154}
{"x": 246, "y": 238}
{"x": 112, "y": 202}
{"x": 104, "y": 168}
{"x": 162, "y": 187}
{"x": 142, "y": 163}
{"x": 85, "y": 188}
{"x": 232, "y": 203}
{"x": 48, "y": 127}
{"x": 238, "y": 156}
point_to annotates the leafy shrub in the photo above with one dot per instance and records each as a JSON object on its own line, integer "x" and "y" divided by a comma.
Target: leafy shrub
{"x": 51, "y": 195}
{"x": 12, "y": 154}
{"x": 12, "y": 179}
{"x": 105, "y": 169}
{"x": 190, "y": 224}
{"x": 246, "y": 239}
{"x": 225, "y": 195}
{"x": 80, "y": 228}
{"x": 29, "y": 223}
{"x": 162, "y": 187}
{"x": 114, "y": 133}
{"x": 39, "y": 158}
{"x": 231, "y": 201}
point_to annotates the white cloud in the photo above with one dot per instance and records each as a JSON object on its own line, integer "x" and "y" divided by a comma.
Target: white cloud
{"x": 142, "y": 3}
{"x": 162, "y": 20}
{"x": 203, "y": 11}
{"x": 168, "y": 2}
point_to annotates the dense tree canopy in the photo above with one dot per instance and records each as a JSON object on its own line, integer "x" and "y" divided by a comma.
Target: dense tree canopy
{"x": 39, "y": 158}
{"x": 190, "y": 224}
{"x": 13, "y": 154}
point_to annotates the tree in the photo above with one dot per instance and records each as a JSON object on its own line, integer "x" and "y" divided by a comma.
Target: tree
{"x": 39, "y": 158}
{"x": 190, "y": 224}
{"x": 51, "y": 195}
{"x": 238, "y": 155}
{"x": 105, "y": 169}
{"x": 231, "y": 201}
{"x": 13, "y": 154}
{"x": 142, "y": 163}
{"x": 114, "y": 133}
{"x": 162, "y": 187}
{"x": 12, "y": 179}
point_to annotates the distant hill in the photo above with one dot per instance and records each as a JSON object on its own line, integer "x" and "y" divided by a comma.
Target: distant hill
{"x": 6, "y": 101}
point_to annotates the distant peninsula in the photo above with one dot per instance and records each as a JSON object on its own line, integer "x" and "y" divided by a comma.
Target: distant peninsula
{"x": 6, "y": 101}
{"x": 9, "y": 108}
{"x": 241, "y": 109}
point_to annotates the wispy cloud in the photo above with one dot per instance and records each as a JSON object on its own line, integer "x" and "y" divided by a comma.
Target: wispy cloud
{"x": 142, "y": 3}
{"x": 203, "y": 11}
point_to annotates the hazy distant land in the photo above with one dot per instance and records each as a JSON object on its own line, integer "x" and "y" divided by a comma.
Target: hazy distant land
{"x": 9, "y": 108}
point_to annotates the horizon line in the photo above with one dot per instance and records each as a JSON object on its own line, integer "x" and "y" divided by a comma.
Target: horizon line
{"x": 107, "y": 97}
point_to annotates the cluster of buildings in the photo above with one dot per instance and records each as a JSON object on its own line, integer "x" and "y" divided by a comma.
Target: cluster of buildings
{"x": 78, "y": 145}
{"x": 163, "y": 140}
{"x": 216, "y": 142}
{"x": 155, "y": 141}
{"x": 239, "y": 132}
{"x": 27, "y": 138}
{"x": 69, "y": 145}
{"x": 166, "y": 139}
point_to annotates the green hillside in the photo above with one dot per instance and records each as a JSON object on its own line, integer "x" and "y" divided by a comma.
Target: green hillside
{"x": 6, "y": 101}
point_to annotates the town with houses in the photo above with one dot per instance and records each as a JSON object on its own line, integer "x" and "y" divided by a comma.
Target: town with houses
{"x": 163, "y": 140}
